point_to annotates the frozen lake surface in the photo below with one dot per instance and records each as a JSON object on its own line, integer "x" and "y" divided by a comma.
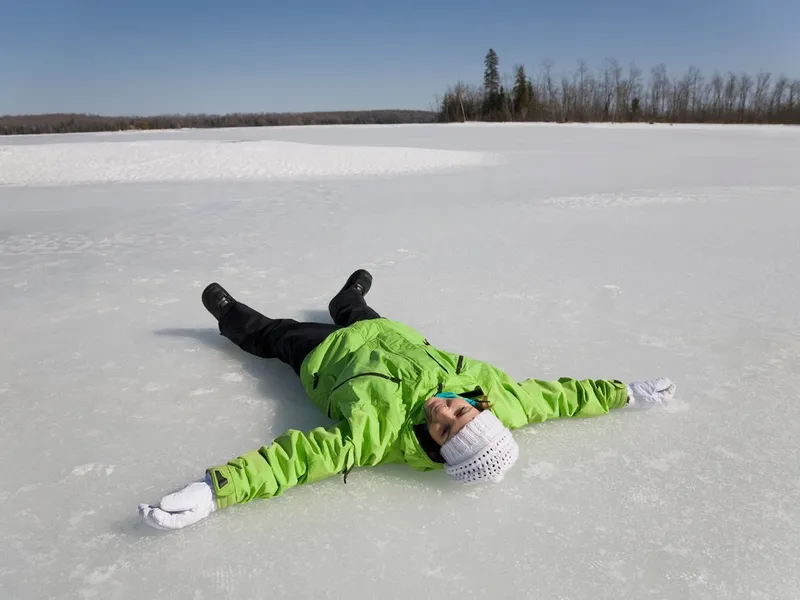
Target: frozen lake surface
{"x": 625, "y": 252}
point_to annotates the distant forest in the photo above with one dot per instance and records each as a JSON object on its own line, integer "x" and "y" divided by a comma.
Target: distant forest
{"x": 616, "y": 93}
{"x": 622, "y": 94}
{"x": 78, "y": 123}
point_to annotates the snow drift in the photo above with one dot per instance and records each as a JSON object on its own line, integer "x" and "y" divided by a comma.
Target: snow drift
{"x": 182, "y": 160}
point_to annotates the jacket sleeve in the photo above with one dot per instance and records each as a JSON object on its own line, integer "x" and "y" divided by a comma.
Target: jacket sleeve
{"x": 293, "y": 458}
{"x": 568, "y": 397}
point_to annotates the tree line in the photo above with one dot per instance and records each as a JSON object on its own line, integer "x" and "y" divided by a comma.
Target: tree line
{"x": 83, "y": 123}
{"x": 622, "y": 94}
{"x": 614, "y": 93}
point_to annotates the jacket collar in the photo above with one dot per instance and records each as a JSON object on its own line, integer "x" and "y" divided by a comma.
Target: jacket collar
{"x": 412, "y": 450}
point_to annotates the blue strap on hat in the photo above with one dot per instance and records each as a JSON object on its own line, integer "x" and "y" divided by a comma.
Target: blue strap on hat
{"x": 448, "y": 395}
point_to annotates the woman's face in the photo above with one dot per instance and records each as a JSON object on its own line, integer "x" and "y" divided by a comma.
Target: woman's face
{"x": 447, "y": 416}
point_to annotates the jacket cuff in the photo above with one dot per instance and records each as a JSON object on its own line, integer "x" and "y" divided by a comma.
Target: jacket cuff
{"x": 220, "y": 480}
{"x": 622, "y": 394}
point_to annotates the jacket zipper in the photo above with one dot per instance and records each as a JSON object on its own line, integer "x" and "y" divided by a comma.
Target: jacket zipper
{"x": 316, "y": 380}
{"x": 370, "y": 374}
{"x": 460, "y": 364}
{"x": 388, "y": 377}
{"x": 436, "y": 361}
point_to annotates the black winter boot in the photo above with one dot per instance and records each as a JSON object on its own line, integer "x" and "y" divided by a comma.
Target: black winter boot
{"x": 217, "y": 301}
{"x": 361, "y": 280}
{"x": 349, "y": 306}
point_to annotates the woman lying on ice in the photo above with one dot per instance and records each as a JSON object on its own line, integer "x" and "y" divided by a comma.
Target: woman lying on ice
{"x": 394, "y": 398}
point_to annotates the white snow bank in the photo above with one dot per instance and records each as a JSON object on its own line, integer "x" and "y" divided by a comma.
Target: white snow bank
{"x": 170, "y": 160}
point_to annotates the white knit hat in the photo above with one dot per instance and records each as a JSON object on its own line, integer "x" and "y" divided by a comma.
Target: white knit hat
{"x": 482, "y": 451}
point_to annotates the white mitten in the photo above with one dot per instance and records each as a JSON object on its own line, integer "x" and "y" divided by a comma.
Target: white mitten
{"x": 651, "y": 392}
{"x": 188, "y": 506}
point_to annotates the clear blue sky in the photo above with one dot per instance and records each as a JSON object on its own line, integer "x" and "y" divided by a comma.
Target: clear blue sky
{"x": 145, "y": 57}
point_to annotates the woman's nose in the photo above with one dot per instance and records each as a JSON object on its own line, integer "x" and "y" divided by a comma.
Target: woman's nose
{"x": 447, "y": 415}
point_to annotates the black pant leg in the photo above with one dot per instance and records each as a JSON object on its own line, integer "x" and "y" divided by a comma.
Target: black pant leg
{"x": 285, "y": 339}
{"x": 349, "y": 306}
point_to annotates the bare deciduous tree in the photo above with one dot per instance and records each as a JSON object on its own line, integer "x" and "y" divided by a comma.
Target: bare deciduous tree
{"x": 745, "y": 86}
{"x": 549, "y": 87}
{"x": 760, "y": 98}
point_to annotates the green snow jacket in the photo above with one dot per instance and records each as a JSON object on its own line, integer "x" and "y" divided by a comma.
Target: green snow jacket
{"x": 372, "y": 379}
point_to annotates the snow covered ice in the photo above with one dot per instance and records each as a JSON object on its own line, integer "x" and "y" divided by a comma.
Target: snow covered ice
{"x": 586, "y": 251}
